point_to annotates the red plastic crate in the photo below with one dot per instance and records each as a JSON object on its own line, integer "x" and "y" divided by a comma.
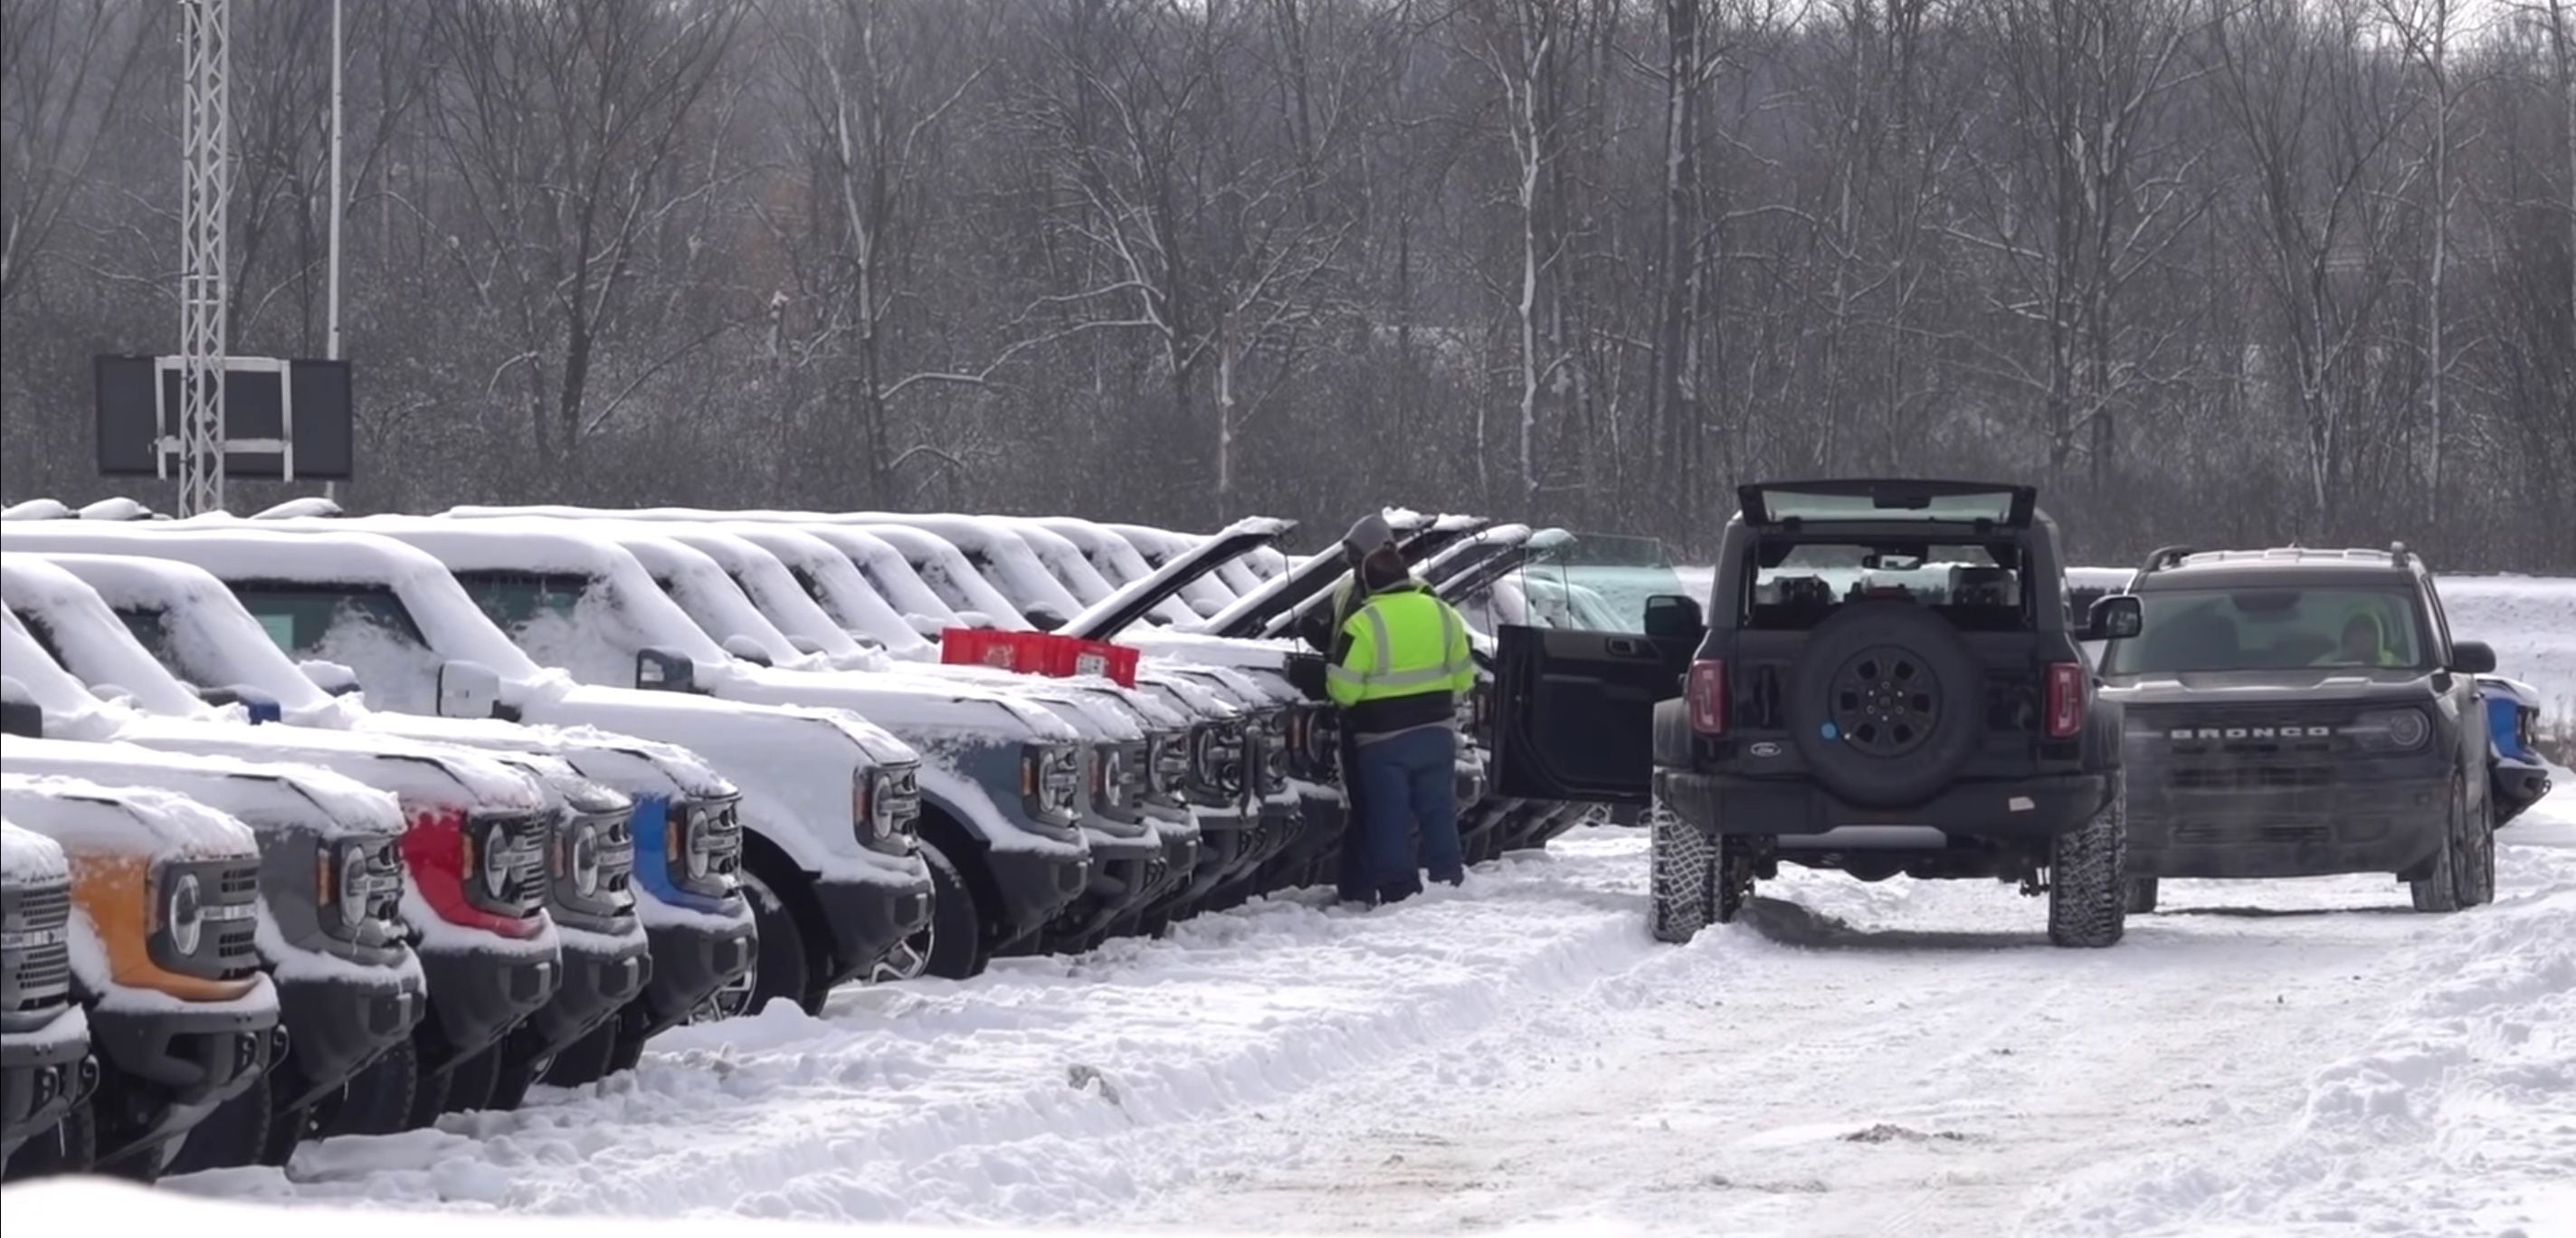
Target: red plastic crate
{"x": 1026, "y": 652}
{"x": 1069, "y": 656}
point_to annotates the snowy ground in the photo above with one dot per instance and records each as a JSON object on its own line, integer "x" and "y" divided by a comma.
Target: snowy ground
{"x": 2265, "y": 1057}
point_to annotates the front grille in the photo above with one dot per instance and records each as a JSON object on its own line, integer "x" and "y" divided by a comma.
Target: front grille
{"x": 2237, "y": 750}
{"x": 2251, "y": 778}
{"x": 37, "y": 931}
{"x": 524, "y": 839}
{"x": 227, "y": 942}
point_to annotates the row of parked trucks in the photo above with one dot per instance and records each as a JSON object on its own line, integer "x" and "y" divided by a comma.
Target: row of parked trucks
{"x": 322, "y": 825}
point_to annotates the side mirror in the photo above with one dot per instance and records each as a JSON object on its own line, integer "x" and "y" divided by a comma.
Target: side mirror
{"x": 1672, "y": 616}
{"x": 2117, "y": 616}
{"x": 2473, "y": 657}
{"x": 663, "y": 670}
{"x": 20, "y": 715}
{"x": 331, "y": 677}
{"x": 467, "y": 690}
{"x": 1045, "y": 620}
{"x": 747, "y": 649}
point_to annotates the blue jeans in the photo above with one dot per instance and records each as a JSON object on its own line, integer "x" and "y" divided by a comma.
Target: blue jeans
{"x": 1408, "y": 782}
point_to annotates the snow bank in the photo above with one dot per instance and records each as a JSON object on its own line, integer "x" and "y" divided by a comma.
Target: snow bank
{"x": 1034, "y": 1093}
{"x": 63, "y": 1206}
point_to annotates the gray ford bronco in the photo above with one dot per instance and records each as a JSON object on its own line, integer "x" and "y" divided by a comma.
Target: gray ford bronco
{"x": 1887, "y": 680}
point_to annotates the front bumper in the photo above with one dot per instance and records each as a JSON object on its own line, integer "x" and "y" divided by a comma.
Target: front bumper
{"x": 1032, "y": 886}
{"x": 43, "y": 1073}
{"x": 336, "y": 1028}
{"x": 2378, "y": 826}
{"x": 600, "y": 974}
{"x": 691, "y": 964}
{"x": 475, "y": 999}
{"x": 1225, "y": 840}
{"x": 868, "y": 918}
{"x": 2030, "y": 810}
{"x": 164, "y": 1071}
{"x": 2517, "y": 786}
{"x": 1125, "y": 871}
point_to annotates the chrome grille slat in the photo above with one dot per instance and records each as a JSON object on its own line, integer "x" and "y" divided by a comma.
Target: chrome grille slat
{"x": 42, "y": 973}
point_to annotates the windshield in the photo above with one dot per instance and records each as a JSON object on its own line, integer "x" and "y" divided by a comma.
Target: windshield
{"x": 1880, "y": 501}
{"x": 2272, "y": 629}
{"x": 85, "y": 638}
{"x": 217, "y": 646}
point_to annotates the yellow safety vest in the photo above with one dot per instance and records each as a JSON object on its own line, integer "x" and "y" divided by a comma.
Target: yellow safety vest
{"x": 1403, "y": 642}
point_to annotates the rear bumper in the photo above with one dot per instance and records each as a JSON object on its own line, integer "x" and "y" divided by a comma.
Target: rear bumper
{"x": 2356, "y": 827}
{"x": 2031, "y": 810}
{"x": 867, "y": 918}
{"x": 336, "y": 1028}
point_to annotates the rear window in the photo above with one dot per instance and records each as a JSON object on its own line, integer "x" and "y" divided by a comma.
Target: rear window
{"x": 1979, "y": 587}
{"x": 2273, "y": 629}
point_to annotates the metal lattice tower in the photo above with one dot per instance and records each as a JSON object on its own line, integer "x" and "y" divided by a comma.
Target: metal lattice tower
{"x": 206, "y": 181}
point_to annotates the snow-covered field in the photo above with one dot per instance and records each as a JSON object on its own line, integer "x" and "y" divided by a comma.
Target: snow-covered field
{"x": 2264, "y": 1057}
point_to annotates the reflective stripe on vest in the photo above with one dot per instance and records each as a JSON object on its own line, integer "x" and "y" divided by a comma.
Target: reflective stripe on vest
{"x": 1382, "y": 677}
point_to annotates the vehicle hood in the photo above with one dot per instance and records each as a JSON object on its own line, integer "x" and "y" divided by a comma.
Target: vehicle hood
{"x": 1120, "y": 610}
{"x": 261, "y": 793}
{"x": 413, "y": 771}
{"x": 634, "y": 767}
{"x": 2319, "y": 685}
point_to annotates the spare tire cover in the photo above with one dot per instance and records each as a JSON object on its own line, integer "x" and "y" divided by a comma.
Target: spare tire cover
{"x": 1885, "y": 704}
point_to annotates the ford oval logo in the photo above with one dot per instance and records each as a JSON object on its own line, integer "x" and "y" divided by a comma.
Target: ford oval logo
{"x": 1766, "y": 749}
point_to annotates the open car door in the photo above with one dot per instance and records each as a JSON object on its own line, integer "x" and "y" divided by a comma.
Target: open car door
{"x": 1575, "y": 710}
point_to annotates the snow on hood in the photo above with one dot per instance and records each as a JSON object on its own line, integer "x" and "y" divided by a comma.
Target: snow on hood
{"x": 1180, "y": 566}
{"x": 1122, "y": 563}
{"x": 890, "y": 570}
{"x": 117, "y": 819}
{"x": 70, "y": 709}
{"x": 260, "y": 793}
{"x": 27, "y": 857}
{"x": 776, "y": 597}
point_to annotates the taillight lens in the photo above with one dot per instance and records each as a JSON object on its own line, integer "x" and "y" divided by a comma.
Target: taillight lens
{"x": 2065, "y": 699}
{"x": 1706, "y": 693}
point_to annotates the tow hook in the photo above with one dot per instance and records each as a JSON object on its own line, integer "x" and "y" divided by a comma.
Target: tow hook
{"x": 2032, "y": 886}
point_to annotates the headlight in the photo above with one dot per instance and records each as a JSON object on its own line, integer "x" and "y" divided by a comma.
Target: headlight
{"x": 694, "y": 856}
{"x": 581, "y": 861}
{"x": 496, "y": 857}
{"x": 2393, "y": 728}
{"x": 183, "y": 914}
{"x": 354, "y": 888}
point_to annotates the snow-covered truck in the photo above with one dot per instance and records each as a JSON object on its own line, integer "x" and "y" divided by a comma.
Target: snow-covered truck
{"x": 827, "y": 799}
{"x": 45, "y": 1064}
{"x": 585, "y": 852}
{"x": 473, "y": 848}
{"x": 686, "y": 834}
{"x": 329, "y": 934}
{"x": 163, "y": 963}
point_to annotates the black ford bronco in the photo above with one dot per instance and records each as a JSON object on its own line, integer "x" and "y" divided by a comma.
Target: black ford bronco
{"x": 2300, "y": 712}
{"x": 1888, "y": 680}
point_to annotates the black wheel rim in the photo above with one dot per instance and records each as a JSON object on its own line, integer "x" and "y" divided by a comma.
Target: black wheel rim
{"x": 1886, "y": 701}
{"x": 910, "y": 958}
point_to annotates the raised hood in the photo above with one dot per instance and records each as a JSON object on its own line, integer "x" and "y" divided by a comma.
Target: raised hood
{"x": 1115, "y": 613}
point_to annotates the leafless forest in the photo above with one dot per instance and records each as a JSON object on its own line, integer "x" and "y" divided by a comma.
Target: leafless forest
{"x": 2213, "y": 271}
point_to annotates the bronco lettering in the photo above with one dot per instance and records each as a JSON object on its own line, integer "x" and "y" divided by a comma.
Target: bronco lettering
{"x": 2188, "y": 733}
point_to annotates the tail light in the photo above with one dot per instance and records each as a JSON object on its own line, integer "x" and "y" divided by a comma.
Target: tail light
{"x": 2065, "y": 699}
{"x": 1706, "y": 693}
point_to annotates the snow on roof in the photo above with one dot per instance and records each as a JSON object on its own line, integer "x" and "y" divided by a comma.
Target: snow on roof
{"x": 887, "y": 571}
{"x": 772, "y": 590}
{"x": 275, "y": 793}
{"x": 37, "y": 509}
{"x": 27, "y": 856}
{"x": 832, "y": 575}
{"x": 325, "y": 552}
{"x": 998, "y": 553}
{"x": 122, "y": 819}
{"x": 204, "y": 628}
{"x": 88, "y": 639}
{"x": 945, "y": 569}
{"x": 68, "y": 705}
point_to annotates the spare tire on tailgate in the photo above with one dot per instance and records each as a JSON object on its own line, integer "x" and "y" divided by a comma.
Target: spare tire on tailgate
{"x": 1886, "y": 703}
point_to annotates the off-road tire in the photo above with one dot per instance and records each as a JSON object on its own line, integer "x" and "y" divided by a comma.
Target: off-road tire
{"x": 1731, "y": 878}
{"x": 1680, "y": 864}
{"x": 232, "y": 1136}
{"x": 585, "y": 1061}
{"x": 2463, "y": 873}
{"x": 2141, "y": 895}
{"x": 470, "y": 1084}
{"x": 518, "y": 1071}
{"x": 781, "y": 968}
{"x": 1916, "y": 655}
{"x": 956, "y": 924}
{"x": 378, "y": 1100}
{"x": 2087, "y": 898}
